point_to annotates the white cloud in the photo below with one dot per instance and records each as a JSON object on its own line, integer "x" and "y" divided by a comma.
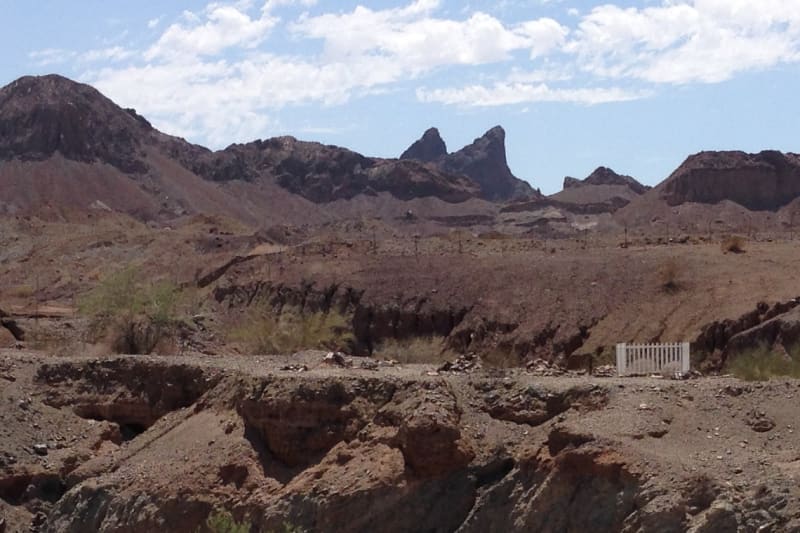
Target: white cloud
{"x": 152, "y": 23}
{"x": 416, "y": 41}
{"x": 503, "y": 93}
{"x": 684, "y": 42}
{"x": 114, "y": 53}
{"x": 225, "y": 26}
{"x": 213, "y": 75}
{"x": 51, "y": 56}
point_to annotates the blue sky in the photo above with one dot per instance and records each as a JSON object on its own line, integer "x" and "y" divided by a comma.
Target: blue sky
{"x": 636, "y": 86}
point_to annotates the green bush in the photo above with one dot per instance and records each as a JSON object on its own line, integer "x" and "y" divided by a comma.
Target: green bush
{"x": 122, "y": 294}
{"x": 135, "y": 314}
{"x": 223, "y": 522}
{"x": 264, "y": 332}
{"x": 762, "y": 364}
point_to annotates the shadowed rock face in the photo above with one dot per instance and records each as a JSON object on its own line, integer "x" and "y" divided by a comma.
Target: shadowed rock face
{"x": 40, "y": 116}
{"x": 485, "y": 162}
{"x": 764, "y": 181}
{"x": 428, "y": 149}
{"x": 606, "y": 176}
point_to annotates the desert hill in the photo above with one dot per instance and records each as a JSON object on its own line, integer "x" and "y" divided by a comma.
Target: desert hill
{"x": 765, "y": 181}
{"x": 602, "y": 191}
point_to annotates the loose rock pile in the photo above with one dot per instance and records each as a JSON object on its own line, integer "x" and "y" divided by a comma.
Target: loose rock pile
{"x": 464, "y": 363}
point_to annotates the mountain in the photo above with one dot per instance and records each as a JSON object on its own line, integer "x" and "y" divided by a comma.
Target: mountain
{"x": 429, "y": 148}
{"x": 765, "y": 181}
{"x": 483, "y": 161}
{"x": 64, "y": 147}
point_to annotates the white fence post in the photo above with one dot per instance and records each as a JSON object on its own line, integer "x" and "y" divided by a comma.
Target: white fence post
{"x": 621, "y": 362}
{"x": 685, "y": 360}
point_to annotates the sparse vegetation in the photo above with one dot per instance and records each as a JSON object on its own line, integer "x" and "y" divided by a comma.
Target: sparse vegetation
{"x": 133, "y": 314}
{"x": 223, "y": 522}
{"x": 670, "y": 276}
{"x": 264, "y": 332}
{"x": 414, "y": 350}
{"x": 734, "y": 244}
{"x": 762, "y": 364}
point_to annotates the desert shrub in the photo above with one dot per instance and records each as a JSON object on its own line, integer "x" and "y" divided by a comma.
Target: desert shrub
{"x": 265, "y": 332}
{"x": 734, "y": 244}
{"x": 134, "y": 314}
{"x": 415, "y": 350}
{"x": 670, "y": 276}
{"x": 123, "y": 294}
{"x": 223, "y": 522}
{"x": 762, "y": 364}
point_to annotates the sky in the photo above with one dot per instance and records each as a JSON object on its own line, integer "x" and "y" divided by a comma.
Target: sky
{"x": 636, "y": 86}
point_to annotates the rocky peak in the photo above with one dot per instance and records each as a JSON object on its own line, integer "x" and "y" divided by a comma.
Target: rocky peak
{"x": 42, "y": 115}
{"x": 485, "y": 162}
{"x": 430, "y": 147}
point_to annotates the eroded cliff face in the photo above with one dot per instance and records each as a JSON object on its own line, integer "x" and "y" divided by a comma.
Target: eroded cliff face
{"x": 464, "y": 325}
{"x": 395, "y": 449}
{"x": 764, "y": 181}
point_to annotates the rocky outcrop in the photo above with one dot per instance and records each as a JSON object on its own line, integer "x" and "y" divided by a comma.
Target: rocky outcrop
{"x": 300, "y": 427}
{"x": 10, "y": 328}
{"x": 764, "y": 181}
{"x": 780, "y": 334}
{"x": 429, "y": 148}
{"x": 534, "y": 406}
{"x": 766, "y": 325}
{"x": 485, "y": 162}
{"x": 40, "y": 116}
{"x": 124, "y": 391}
{"x": 430, "y": 438}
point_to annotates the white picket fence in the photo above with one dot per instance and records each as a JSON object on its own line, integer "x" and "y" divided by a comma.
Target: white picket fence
{"x": 633, "y": 359}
